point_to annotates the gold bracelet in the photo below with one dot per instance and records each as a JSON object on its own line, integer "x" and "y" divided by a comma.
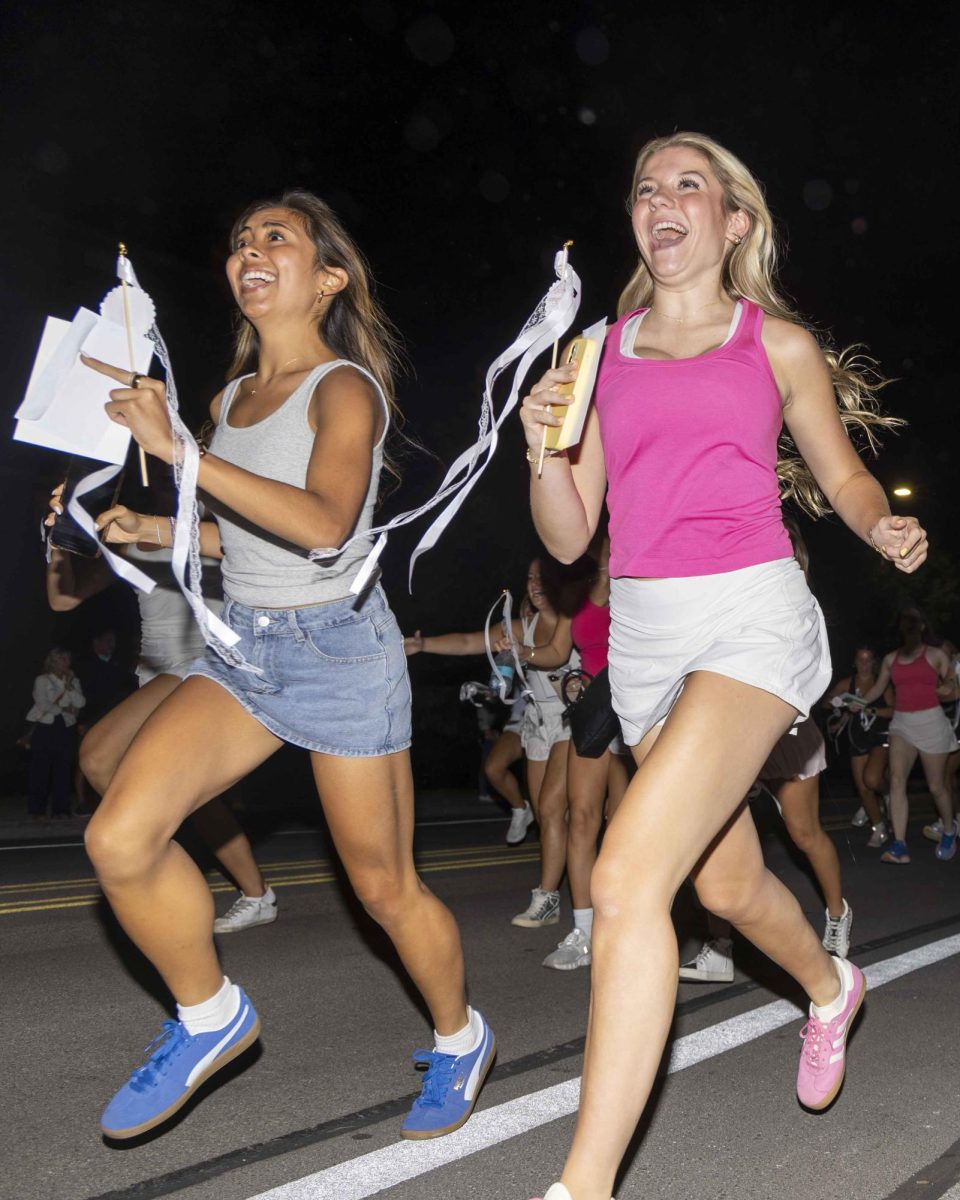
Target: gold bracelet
{"x": 879, "y": 549}
{"x": 156, "y": 521}
{"x": 534, "y": 458}
{"x": 533, "y": 654}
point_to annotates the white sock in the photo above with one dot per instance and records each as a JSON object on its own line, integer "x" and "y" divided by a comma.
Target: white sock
{"x": 826, "y": 1012}
{"x": 212, "y": 1014}
{"x": 268, "y": 897}
{"x": 583, "y": 920}
{"x": 465, "y": 1040}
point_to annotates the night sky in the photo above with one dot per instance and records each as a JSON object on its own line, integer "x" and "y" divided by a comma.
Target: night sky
{"x": 462, "y": 144}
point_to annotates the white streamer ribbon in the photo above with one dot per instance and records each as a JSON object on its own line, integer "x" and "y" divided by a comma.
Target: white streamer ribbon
{"x": 526, "y": 694}
{"x": 552, "y": 317}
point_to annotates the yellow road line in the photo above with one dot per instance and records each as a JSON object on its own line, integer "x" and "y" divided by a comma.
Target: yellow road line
{"x": 285, "y": 864}
{"x": 46, "y": 904}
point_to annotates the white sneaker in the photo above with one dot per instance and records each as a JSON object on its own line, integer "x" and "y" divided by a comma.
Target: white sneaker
{"x": 714, "y": 963}
{"x": 934, "y": 832}
{"x": 836, "y": 935}
{"x": 248, "y": 911}
{"x": 879, "y": 837}
{"x": 573, "y": 952}
{"x": 543, "y": 909}
{"x": 520, "y": 821}
{"x": 859, "y": 818}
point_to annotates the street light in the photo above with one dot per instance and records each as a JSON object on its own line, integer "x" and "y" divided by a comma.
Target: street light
{"x": 903, "y": 491}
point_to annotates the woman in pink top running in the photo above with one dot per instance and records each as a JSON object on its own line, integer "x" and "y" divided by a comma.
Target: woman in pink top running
{"x": 919, "y": 726}
{"x": 716, "y": 645}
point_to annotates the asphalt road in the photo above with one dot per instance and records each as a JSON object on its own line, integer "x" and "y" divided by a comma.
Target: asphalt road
{"x": 314, "y": 1111}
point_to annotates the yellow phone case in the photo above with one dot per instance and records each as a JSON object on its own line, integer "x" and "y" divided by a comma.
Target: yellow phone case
{"x": 586, "y": 352}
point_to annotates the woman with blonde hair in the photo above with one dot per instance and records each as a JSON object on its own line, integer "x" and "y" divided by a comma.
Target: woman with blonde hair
{"x": 716, "y": 645}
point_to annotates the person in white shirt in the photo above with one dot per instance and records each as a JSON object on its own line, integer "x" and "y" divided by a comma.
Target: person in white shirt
{"x": 57, "y": 698}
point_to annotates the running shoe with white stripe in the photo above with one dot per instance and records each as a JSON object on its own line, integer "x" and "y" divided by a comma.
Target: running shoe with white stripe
{"x": 180, "y": 1063}
{"x": 450, "y": 1089}
{"x": 823, "y": 1057}
{"x": 947, "y": 847}
{"x": 713, "y": 964}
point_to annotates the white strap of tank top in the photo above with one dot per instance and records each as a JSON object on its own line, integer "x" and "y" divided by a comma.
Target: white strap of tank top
{"x": 548, "y": 322}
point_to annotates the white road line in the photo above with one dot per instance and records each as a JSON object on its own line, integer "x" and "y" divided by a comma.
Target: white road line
{"x": 373, "y": 1173}
{"x": 953, "y": 1194}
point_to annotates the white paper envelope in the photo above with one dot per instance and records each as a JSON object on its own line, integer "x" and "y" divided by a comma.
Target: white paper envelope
{"x": 64, "y": 405}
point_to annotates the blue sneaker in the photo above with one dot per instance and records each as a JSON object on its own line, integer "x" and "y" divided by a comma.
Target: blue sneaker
{"x": 947, "y": 846}
{"x": 173, "y": 1072}
{"x": 450, "y": 1088}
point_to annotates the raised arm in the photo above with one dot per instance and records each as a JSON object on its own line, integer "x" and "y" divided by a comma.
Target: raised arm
{"x": 567, "y": 498}
{"x": 883, "y": 680}
{"x": 811, "y": 416}
{"x": 454, "y": 644}
{"x": 346, "y": 415}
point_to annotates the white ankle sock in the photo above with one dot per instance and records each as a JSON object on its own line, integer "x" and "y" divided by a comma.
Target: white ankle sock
{"x": 826, "y": 1012}
{"x": 583, "y": 920}
{"x": 464, "y": 1040}
{"x": 268, "y": 897}
{"x": 212, "y": 1014}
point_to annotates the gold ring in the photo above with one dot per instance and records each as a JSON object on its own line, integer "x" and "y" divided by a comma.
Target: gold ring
{"x": 135, "y": 380}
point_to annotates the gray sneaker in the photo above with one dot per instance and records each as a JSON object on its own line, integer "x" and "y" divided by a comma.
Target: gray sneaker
{"x": 246, "y": 912}
{"x": 879, "y": 837}
{"x": 859, "y": 818}
{"x": 573, "y": 952}
{"x": 544, "y": 909}
{"x": 714, "y": 963}
{"x": 836, "y": 935}
{"x": 520, "y": 821}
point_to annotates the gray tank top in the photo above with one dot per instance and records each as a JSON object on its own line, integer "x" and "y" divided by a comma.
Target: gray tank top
{"x": 259, "y": 569}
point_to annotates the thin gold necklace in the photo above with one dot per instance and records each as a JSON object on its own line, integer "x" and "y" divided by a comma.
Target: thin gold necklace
{"x": 683, "y": 320}
{"x": 252, "y": 391}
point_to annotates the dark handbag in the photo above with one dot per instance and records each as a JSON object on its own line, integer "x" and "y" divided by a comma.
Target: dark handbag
{"x": 593, "y": 723}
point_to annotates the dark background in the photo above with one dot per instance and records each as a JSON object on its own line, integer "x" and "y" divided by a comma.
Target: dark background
{"x": 462, "y": 144}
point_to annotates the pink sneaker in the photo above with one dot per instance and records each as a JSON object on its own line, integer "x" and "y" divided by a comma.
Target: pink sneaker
{"x": 823, "y": 1057}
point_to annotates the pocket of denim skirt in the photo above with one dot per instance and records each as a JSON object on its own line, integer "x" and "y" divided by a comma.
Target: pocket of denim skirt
{"x": 354, "y": 641}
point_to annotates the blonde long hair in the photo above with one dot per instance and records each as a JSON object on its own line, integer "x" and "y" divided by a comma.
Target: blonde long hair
{"x": 750, "y": 273}
{"x": 353, "y": 324}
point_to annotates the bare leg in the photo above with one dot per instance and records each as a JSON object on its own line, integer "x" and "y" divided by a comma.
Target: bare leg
{"x": 902, "y": 758}
{"x": 876, "y": 773}
{"x": 198, "y": 743}
{"x": 506, "y": 750}
{"x": 868, "y": 797}
{"x": 689, "y": 785}
{"x": 368, "y": 804}
{"x": 218, "y": 827}
{"x": 800, "y": 801}
{"x": 586, "y": 790}
{"x": 551, "y": 810}
{"x": 934, "y": 769}
{"x": 108, "y": 741}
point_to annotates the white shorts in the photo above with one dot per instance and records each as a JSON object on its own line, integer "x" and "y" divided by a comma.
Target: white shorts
{"x": 800, "y": 754}
{"x": 759, "y": 625}
{"x": 929, "y": 730}
{"x": 542, "y": 727}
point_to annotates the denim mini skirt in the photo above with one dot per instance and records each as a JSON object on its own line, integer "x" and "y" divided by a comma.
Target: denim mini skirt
{"x": 334, "y": 676}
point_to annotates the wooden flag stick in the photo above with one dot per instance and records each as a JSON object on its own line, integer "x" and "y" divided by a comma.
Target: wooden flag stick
{"x": 553, "y": 363}
{"x": 128, "y": 325}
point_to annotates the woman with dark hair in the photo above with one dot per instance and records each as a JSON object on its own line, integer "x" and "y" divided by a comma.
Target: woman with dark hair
{"x": 294, "y": 464}
{"x": 919, "y": 727}
{"x": 864, "y": 735}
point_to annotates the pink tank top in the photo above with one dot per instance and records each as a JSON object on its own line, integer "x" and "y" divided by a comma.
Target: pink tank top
{"x": 916, "y": 685}
{"x": 590, "y": 630}
{"x": 690, "y": 447}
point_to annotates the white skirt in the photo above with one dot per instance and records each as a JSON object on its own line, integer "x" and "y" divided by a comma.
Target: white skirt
{"x": 759, "y": 625}
{"x": 929, "y": 730}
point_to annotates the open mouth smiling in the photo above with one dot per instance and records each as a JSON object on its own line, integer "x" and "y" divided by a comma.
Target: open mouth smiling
{"x": 668, "y": 233}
